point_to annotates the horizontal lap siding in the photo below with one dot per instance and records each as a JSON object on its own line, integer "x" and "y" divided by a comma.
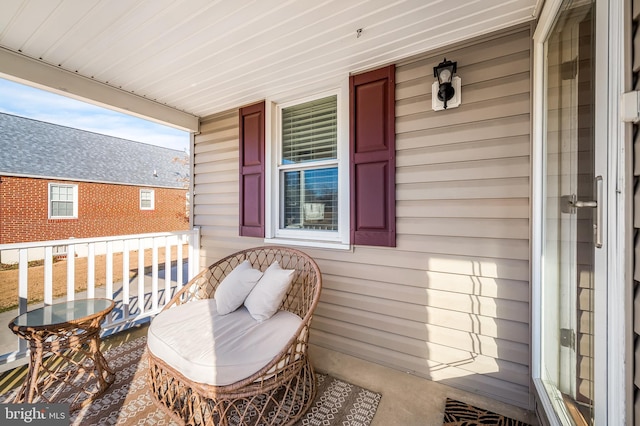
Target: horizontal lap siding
{"x": 216, "y": 204}
{"x": 451, "y": 301}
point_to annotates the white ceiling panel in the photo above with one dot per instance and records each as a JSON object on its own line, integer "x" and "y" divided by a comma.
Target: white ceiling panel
{"x": 56, "y": 24}
{"x": 26, "y": 23}
{"x": 204, "y": 56}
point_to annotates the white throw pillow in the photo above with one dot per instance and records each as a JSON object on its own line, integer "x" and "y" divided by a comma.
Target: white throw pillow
{"x": 265, "y": 298}
{"x": 235, "y": 287}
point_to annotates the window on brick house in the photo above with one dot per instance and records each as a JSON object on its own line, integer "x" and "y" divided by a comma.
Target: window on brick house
{"x": 63, "y": 201}
{"x": 147, "y": 199}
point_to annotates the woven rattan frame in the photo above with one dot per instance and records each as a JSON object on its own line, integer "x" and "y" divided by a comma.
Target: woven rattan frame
{"x": 282, "y": 391}
{"x": 65, "y": 355}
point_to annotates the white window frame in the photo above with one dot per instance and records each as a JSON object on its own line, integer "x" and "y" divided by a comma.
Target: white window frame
{"x": 50, "y": 201}
{"x": 153, "y": 199}
{"x": 273, "y": 153}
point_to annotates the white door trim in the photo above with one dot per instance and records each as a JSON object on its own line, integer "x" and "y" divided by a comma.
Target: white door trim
{"x": 545, "y": 24}
{"x": 610, "y": 312}
{"x": 613, "y": 380}
{"x": 602, "y": 161}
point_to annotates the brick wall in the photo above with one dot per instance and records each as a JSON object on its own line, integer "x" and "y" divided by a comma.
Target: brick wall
{"x": 103, "y": 210}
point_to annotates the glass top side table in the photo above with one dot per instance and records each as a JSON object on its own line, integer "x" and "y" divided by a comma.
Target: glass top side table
{"x": 66, "y": 364}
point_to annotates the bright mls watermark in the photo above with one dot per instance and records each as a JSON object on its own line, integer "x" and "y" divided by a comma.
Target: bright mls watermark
{"x": 34, "y": 414}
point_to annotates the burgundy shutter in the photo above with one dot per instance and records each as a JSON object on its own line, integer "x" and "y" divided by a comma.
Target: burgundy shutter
{"x": 252, "y": 170}
{"x": 372, "y": 150}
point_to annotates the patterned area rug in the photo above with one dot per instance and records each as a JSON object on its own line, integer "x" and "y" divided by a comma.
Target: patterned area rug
{"x": 127, "y": 401}
{"x": 458, "y": 413}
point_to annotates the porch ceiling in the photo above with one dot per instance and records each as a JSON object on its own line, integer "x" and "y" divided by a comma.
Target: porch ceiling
{"x": 172, "y": 60}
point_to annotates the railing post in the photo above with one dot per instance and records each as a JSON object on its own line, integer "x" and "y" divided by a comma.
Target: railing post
{"x": 154, "y": 274}
{"x": 23, "y": 286}
{"x": 179, "y": 262}
{"x": 108, "y": 284}
{"x": 194, "y": 252}
{"x": 48, "y": 275}
{"x": 196, "y": 257}
{"x": 109, "y": 271}
{"x": 167, "y": 270}
{"x": 71, "y": 272}
{"x": 141, "y": 300}
{"x": 126, "y": 309}
{"x": 91, "y": 270}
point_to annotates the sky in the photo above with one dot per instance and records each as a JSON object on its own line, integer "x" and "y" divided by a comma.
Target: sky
{"x": 26, "y": 101}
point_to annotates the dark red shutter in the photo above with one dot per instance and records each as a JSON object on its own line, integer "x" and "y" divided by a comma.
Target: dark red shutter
{"x": 252, "y": 170}
{"x": 372, "y": 150}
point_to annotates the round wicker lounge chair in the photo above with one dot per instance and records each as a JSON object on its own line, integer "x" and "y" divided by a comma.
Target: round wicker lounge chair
{"x": 281, "y": 391}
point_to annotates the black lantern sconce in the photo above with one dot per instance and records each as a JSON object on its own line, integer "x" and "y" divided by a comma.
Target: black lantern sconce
{"x": 446, "y": 90}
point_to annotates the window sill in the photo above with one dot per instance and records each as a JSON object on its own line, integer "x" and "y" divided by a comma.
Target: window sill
{"x": 308, "y": 243}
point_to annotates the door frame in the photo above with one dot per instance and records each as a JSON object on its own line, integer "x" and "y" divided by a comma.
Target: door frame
{"x": 610, "y": 311}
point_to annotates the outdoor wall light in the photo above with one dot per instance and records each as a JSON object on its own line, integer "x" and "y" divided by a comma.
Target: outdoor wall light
{"x": 446, "y": 89}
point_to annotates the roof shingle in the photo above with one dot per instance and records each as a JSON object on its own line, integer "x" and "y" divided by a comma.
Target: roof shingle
{"x": 34, "y": 148}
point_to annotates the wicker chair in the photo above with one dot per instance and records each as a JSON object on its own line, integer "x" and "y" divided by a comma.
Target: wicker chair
{"x": 279, "y": 393}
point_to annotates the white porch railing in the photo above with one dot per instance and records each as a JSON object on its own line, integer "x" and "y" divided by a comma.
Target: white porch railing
{"x": 137, "y": 298}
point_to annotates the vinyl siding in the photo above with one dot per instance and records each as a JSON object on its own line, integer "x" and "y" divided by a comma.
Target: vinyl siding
{"x": 451, "y": 302}
{"x": 216, "y": 188}
{"x": 463, "y": 204}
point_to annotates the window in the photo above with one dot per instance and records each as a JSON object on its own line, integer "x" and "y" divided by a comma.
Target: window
{"x": 308, "y": 168}
{"x": 146, "y": 199}
{"x": 63, "y": 201}
{"x": 320, "y": 171}
{"x": 307, "y": 175}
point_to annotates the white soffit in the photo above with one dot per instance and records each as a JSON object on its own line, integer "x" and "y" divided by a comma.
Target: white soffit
{"x": 35, "y": 73}
{"x": 172, "y": 60}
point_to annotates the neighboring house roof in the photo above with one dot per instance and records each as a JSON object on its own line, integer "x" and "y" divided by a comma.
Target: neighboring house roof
{"x": 37, "y": 149}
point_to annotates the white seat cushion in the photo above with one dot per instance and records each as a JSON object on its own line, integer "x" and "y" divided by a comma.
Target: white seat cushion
{"x": 218, "y": 349}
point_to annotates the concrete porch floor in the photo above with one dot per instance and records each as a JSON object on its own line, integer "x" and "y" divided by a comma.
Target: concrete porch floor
{"x": 407, "y": 400}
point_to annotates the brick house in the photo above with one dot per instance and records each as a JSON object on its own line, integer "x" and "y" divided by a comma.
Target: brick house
{"x": 58, "y": 182}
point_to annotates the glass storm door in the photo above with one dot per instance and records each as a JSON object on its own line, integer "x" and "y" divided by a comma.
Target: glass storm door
{"x": 569, "y": 214}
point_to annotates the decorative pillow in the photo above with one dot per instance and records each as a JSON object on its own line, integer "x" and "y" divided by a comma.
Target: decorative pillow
{"x": 265, "y": 298}
{"x": 235, "y": 287}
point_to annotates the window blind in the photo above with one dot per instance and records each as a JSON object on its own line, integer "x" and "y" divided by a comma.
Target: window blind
{"x": 309, "y": 131}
